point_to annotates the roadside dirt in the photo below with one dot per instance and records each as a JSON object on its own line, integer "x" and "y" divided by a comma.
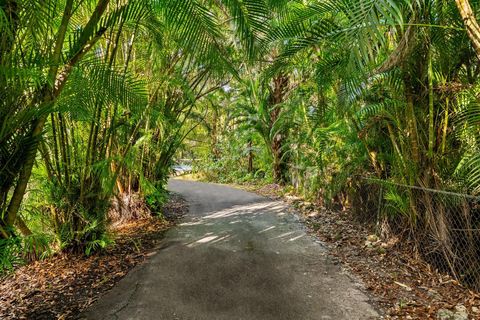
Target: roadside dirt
{"x": 61, "y": 286}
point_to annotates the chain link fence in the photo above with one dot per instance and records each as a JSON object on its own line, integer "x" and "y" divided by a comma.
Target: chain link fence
{"x": 445, "y": 225}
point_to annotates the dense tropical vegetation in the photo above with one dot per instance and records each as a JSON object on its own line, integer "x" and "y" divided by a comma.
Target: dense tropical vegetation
{"x": 98, "y": 99}
{"x": 367, "y": 105}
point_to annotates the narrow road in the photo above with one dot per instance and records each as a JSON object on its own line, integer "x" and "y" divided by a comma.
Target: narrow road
{"x": 235, "y": 256}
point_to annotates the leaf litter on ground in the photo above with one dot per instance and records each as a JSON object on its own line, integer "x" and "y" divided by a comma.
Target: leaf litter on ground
{"x": 64, "y": 285}
{"x": 403, "y": 285}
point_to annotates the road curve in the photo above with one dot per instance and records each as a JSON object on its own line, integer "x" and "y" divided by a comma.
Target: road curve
{"x": 235, "y": 256}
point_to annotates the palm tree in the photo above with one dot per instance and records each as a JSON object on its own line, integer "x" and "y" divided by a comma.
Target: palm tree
{"x": 70, "y": 73}
{"x": 48, "y": 67}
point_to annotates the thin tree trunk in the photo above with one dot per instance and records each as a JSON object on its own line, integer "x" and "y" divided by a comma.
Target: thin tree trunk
{"x": 473, "y": 29}
{"x": 56, "y": 156}
{"x": 279, "y": 165}
{"x": 48, "y": 96}
{"x": 396, "y": 148}
{"x": 445, "y": 125}
{"x": 21, "y": 225}
{"x": 412, "y": 123}
{"x": 26, "y": 170}
{"x": 250, "y": 156}
{"x": 431, "y": 115}
{"x": 25, "y": 173}
{"x": 64, "y": 148}
{"x": 46, "y": 159}
{"x": 277, "y": 95}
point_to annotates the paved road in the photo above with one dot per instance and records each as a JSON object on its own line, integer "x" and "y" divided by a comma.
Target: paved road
{"x": 235, "y": 256}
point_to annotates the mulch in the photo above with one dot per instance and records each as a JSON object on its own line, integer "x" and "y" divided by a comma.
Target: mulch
{"x": 403, "y": 285}
{"x": 63, "y": 285}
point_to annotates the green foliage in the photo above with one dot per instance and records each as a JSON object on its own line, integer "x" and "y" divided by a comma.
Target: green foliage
{"x": 94, "y": 237}
{"x": 96, "y": 99}
{"x": 101, "y": 98}
{"x": 397, "y": 203}
{"x": 37, "y": 246}
{"x": 155, "y": 197}
{"x": 10, "y": 252}
{"x": 16, "y": 251}
{"x": 379, "y": 89}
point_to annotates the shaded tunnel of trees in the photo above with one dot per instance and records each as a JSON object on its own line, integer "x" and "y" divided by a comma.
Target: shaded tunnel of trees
{"x": 368, "y": 105}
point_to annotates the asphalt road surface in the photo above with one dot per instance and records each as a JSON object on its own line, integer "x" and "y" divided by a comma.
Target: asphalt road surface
{"x": 235, "y": 256}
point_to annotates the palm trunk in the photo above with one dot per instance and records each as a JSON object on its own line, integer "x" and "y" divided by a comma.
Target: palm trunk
{"x": 37, "y": 127}
{"x": 250, "y": 156}
{"x": 397, "y": 148}
{"x": 20, "y": 224}
{"x": 445, "y": 125}
{"x": 47, "y": 95}
{"x": 412, "y": 124}
{"x": 279, "y": 164}
{"x": 277, "y": 96}
{"x": 25, "y": 173}
{"x": 64, "y": 147}
{"x": 56, "y": 156}
{"x": 473, "y": 29}
{"x": 431, "y": 115}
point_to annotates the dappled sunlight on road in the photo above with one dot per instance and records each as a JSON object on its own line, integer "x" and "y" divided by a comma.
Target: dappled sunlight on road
{"x": 250, "y": 209}
{"x": 236, "y": 256}
{"x": 267, "y": 229}
{"x": 283, "y": 235}
{"x": 206, "y": 239}
{"x": 261, "y": 223}
{"x": 297, "y": 237}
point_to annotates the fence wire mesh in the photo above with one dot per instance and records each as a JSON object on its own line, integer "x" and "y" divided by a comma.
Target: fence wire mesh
{"x": 445, "y": 226}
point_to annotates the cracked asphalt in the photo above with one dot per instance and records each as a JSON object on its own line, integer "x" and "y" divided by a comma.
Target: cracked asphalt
{"x": 235, "y": 256}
